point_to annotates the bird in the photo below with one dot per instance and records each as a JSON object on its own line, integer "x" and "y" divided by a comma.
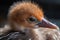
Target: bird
{"x": 26, "y": 15}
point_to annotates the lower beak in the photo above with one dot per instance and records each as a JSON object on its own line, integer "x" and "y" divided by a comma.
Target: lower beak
{"x": 47, "y": 24}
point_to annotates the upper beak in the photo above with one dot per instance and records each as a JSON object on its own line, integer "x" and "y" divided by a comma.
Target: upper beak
{"x": 47, "y": 24}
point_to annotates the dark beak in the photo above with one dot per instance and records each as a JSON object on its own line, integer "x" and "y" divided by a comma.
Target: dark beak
{"x": 45, "y": 23}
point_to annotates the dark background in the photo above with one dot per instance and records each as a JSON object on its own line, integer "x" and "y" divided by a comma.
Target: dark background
{"x": 51, "y": 9}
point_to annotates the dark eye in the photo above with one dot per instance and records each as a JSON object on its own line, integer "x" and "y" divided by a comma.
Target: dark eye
{"x": 32, "y": 19}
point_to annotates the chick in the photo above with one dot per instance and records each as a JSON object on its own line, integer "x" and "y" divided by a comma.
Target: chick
{"x": 26, "y": 15}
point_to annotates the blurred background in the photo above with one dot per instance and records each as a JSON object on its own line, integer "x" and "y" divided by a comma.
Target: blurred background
{"x": 51, "y": 9}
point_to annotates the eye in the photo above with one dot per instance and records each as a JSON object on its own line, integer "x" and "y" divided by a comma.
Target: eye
{"x": 32, "y": 19}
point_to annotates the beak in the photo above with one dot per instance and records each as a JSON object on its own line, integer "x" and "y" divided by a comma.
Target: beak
{"x": 45, "y": 23}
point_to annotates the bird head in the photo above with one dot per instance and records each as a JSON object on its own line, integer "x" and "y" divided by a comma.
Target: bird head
{"x": 29, "y": 15}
